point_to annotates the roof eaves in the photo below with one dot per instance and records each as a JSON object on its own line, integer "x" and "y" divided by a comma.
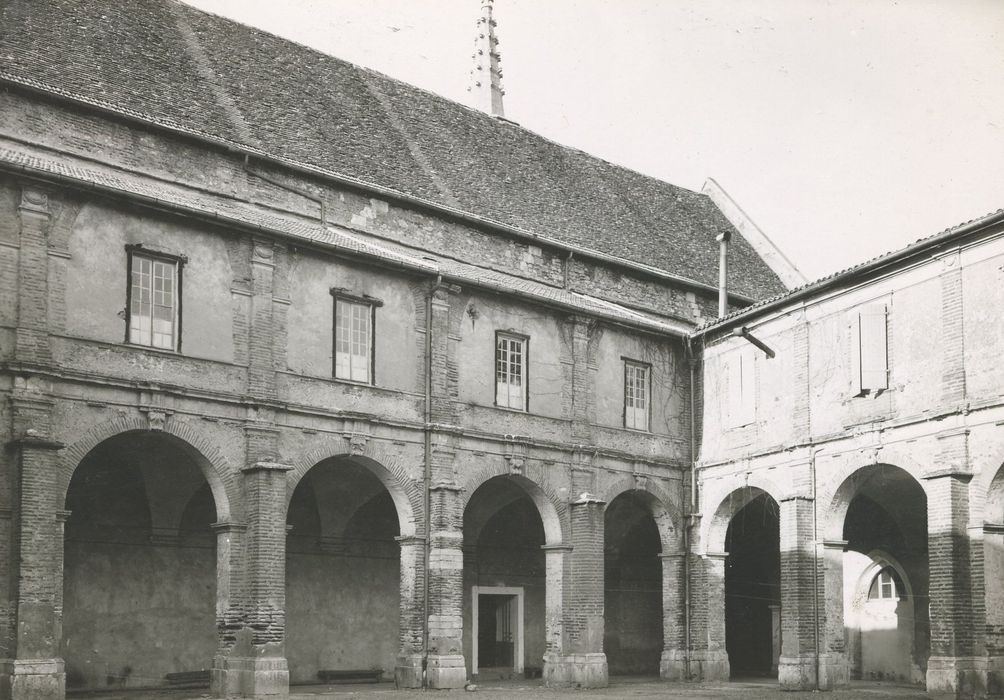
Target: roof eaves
{"x": 354, "y": 182}
{"x": 855, "y": 271}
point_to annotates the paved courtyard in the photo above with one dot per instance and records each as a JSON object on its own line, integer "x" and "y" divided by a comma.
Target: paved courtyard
{"x": 619, "y": 688}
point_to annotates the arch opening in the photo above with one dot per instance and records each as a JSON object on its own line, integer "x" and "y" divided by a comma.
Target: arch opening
{"x": 342, "y": 572}
{"x": 885, "y": 527}
{"x": 139, "y": 582}
{"x": 753, "y": 588}
{"x": 504, "y": 581}
{"x": 633, "y": 633}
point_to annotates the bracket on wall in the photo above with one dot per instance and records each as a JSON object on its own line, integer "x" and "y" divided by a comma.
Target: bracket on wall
{"x": 744, "y": 332}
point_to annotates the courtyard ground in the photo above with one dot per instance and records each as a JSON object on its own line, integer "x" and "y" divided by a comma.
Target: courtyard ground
{"x": 525, "y": 690}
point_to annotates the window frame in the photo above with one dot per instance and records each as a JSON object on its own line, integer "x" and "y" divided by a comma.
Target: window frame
{"x": 524, "y": 340}
{"x": 894, "y": 585}
{"x": 347, "y": 296}
{"x": 647, "y": 366}
{"x": 134, "y": 250}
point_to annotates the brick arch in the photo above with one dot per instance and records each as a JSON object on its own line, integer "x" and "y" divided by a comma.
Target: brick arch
{"x": 665, "y": 513}
{"x": 993, "y": 499}
{"x": 733, "y": 502}
{"x": 403, "y": 490}
{"x": 831, "y": 524}
{"x": 208, "y": 457}
{"x": 552, "y": 511}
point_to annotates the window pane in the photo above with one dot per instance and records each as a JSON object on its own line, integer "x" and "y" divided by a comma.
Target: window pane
{"x": 353, "y": 339}
{"x": 152, "y": 309}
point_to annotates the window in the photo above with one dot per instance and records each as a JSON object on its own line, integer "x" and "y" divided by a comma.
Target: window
{"x": 636, "y": 395}
{"x": 154, "y": 303}
{"x": 869, "y": 350}
{"x": 740, "y": 390}
{"x": 885, "y": 585}
{"x": 354, "y": 321}
{"x": 510, "y": 371}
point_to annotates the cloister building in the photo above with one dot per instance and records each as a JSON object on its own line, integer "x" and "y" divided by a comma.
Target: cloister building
{"x": 306, "y": 372}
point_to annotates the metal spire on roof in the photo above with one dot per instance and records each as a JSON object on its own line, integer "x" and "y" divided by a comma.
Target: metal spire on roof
{"x": 486, "y": 76}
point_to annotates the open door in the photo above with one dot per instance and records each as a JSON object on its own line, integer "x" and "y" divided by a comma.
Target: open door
{"x": 497, "y": 630}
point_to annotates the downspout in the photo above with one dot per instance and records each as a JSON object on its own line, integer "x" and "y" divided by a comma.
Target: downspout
{"x": 815, "y": 564}
{"x": 427, "y": 480}
{"x": 723, "y": 272}
{"x": 687, "y": 539}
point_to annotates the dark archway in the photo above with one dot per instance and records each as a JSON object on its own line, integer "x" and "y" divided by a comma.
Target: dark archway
{"x": 139, "y": 593}
{"x": 886, "y": 570}
{"x": 342, "y": 572}
{"x": 633, "y": 632}
{"x": 753, "y": 589}
{"x": 504, "y": 566}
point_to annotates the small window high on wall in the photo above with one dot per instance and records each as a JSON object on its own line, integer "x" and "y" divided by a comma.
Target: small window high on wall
{"x": 740, "y": 388}
{"x": 869, "y": 349}
{"x": 154, "y": 303}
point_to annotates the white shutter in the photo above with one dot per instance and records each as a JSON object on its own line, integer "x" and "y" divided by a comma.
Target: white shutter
{"x": 856, "y": 387}
{"x": 874, "y": 361}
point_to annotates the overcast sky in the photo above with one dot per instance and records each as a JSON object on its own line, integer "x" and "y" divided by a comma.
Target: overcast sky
{"x": 844, "y": 128}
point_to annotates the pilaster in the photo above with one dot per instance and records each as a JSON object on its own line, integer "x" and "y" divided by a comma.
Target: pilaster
{"x": 581, "y": 661}
{"x": 673, "y": 665}
{"x": 709, "y": 660}
{"x": 32, "y": 335}
{"x": 834, "y": 669}
{"x": 797, "y": 665}
{"x": 408, "y": 667}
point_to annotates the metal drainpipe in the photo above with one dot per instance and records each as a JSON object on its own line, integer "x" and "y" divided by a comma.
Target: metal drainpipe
{"x": 723, "y": 272}
{"x": 815, "y": 565}
{"x": 427, "y": 479}
{"x": 687, "y": 539}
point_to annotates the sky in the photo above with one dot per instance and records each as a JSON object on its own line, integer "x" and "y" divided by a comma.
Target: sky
{"x": 844, "y": 128}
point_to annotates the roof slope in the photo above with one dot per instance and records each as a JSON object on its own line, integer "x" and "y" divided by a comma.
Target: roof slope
{"x": 179, "y": 67}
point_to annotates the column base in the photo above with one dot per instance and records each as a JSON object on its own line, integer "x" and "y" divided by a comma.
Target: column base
{"x": 834, "y": 672}
{"x": 673, "y": 666}
{"x": 446, "y": 671}
{"x": 32, "y": 679}
{"x": 710, "y": 666}
{"x": 408, "y": 671}
{"x": 797, "y": 672}
{"x": 957, "y": 676}
{"x": 995, "y": 675}
{"x": 576, "y": 671}
{"x": 249, "y": 677}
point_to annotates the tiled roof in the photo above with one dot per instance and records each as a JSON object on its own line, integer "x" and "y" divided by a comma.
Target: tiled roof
{"x": 835, "y": 278}
{"x": 170, "y": 64}
{"x": 40, "y": 162}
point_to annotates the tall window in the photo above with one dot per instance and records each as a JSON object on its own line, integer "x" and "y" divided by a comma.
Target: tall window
{"x": 354, "y": 340}
{"x": 740, "y": 388}
{"x": 153, "y": 300}
{"x": 636, "y": 395}
{"x": 510, "y": 371}
{"x": 869, "y": 349}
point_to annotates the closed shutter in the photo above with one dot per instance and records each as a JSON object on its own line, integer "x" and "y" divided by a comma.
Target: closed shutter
{"x": 870, "y": 359}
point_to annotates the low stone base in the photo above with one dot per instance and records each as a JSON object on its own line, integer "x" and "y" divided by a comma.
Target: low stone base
{"x": 797, "y": 672}
{"x": 957, "y": 676}
{"x": 995, "y": 675}
{"x": 576, "y": 671}
{"x": 446, "y": 671}
{"x": 673, "y": 666}
{"x": 32, "y": 679}
{"x": 249, "y": 677}
{"x": 834, "y": 672}
{"x": 408, "y": 671}
{"x": 711, "y": 666}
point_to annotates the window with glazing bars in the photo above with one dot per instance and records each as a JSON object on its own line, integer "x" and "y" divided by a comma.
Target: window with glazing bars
{"x": 353, "y": 340}
{"x": 153, "y": 301}
{"x": 510, "y": 371}
{"x": 636, "y": 395}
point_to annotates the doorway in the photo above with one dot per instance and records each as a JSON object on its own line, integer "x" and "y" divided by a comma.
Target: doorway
{"x": 497, "y": 639}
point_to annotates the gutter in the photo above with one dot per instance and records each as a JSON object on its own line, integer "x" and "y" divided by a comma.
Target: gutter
{"x": 349, "y": 181}
{"x": 922, "y": 246}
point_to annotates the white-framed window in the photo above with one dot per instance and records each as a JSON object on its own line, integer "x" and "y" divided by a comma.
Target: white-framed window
{"x": 353, "y": 343}
{"x": 637, "y": 395}
{"x": 869, "y": 349}
{"x": 511, "y": 371}
{"x": 885, "y": 585}
{"x": 740, "y": 389}
{"x": 154, "y": 299}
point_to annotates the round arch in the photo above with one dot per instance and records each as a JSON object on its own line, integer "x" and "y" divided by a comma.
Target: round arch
{"x": 727, "y": 508}
{"x": 197, "y": 447}
{"x": 549, "y": 512}
{"x": 665, "y": 514}
{"x": 406, "y": 501}
{"x": 835, "y": 515}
